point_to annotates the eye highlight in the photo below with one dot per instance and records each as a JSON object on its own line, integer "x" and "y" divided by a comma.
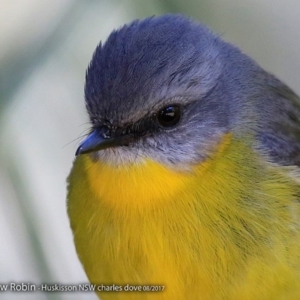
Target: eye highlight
{"x": 169, "y": 116}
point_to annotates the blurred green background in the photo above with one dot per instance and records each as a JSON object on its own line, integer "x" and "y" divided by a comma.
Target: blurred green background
{"x": 45, "y": 47}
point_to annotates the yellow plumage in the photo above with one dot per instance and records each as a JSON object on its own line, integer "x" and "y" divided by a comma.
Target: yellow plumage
{"x": 225, "y": 229}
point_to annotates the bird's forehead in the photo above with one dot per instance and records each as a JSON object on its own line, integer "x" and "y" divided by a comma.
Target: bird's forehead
{"x": 147, "y": 61}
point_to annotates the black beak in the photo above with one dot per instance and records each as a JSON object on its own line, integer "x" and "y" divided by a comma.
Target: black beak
{"x": 98, "y": 140}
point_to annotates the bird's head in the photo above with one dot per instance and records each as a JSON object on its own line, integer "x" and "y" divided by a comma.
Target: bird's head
{"x": 159, "y": 89}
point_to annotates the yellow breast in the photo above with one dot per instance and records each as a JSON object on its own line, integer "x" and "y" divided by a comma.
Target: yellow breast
{"x": 223, "y": 230}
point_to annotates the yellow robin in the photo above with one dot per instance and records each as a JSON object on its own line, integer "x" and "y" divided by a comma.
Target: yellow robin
{"x": 188, "y": 185}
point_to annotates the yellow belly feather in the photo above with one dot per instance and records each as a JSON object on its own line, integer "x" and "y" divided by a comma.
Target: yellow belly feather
{"x": 228, "y": 229}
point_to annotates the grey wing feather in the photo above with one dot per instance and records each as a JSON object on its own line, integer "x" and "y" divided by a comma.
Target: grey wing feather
{"x": 279, "y": 131}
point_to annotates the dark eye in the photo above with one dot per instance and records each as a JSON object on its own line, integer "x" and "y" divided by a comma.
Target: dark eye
{"x": 169, "y": 116}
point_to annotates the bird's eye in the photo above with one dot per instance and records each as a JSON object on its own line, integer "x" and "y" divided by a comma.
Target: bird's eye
{"x": 169, "y": 116}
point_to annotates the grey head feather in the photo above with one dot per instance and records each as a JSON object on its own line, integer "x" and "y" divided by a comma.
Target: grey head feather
{"x": 159, "y": 61}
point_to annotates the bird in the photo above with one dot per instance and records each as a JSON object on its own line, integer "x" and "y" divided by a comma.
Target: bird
{"x": 187, "y": 185}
